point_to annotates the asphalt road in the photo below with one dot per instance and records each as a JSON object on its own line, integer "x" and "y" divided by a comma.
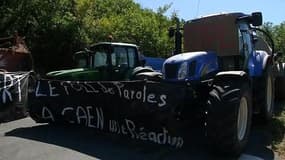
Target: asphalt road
{"x": 26, "y": 140}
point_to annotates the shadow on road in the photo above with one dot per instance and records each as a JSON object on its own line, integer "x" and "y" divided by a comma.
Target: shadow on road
{"x": 102, "y": 145}
{"x": 110, "y": 146}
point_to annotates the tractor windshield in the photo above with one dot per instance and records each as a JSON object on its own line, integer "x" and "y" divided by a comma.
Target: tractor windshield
{"x": 123, "y": 56}
{"x": 112, "y": 55}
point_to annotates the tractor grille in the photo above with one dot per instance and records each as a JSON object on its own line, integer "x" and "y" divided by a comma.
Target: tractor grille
{"x": 171, "y": 71}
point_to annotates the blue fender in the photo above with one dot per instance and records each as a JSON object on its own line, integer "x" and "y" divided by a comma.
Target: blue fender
{"x": 257, "y": 63}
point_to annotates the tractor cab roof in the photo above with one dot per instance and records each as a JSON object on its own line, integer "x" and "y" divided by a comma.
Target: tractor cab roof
{"x": 234, "y": 15}
{"x": 218, "y": 33}
{"x": 114, "y": 43}
{"x": 91, "y": 48}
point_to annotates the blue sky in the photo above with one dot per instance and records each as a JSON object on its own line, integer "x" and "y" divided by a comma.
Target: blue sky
{"x": 272, "y": 10}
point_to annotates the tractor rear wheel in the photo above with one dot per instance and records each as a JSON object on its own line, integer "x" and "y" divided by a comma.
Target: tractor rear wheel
{"x": 265, "y": 98}
{"x": 229, "y": 117}
{"x": 280, "y": 88}
{"x": 280, "y": 82}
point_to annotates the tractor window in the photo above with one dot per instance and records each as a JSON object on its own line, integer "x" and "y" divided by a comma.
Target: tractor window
{"x": 124, "y": 56}
{"x": 245, "y": 42}
{"x": 132, "y": 56}
{"x": 82, "y": 63}
{"x": 240, "y": 42}
{"x": 81, "y": 60}
{"x": 100, "y": 59}
{"x": 115, "y": 55}
{"x": 119, "y": 57}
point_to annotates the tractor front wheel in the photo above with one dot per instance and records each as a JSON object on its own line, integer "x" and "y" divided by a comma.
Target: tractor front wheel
{"x": 229, "y": 117}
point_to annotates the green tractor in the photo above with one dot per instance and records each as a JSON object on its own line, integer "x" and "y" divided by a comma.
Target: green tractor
{"x": 104, "y": 61}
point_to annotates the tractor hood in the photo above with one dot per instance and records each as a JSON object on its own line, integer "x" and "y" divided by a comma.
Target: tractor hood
{"x": 190, "y": 66}
{"x": 75, "y": 74}
{"x": 67, "y": 71}
{"x": 187, "y": 56}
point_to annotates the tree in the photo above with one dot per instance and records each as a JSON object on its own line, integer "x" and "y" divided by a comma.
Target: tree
{"x": 55, "y": 29}
{"x": 277, "y": 32}
{"x": 279, "y": 37}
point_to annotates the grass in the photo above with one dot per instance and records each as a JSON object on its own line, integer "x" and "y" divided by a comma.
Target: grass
{"x": 277, "y": 128}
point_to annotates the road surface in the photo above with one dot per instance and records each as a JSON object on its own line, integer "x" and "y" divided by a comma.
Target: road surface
{"x": 25, "y": 140}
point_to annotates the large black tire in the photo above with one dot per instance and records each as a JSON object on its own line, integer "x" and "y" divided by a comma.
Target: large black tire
{"x": 265, "y": 95}
{"x": 280, "y": 82}
{"x": 280, "y": 88}
{"x": 141, "y": 69}
{"x": 229, "y": 103}
{"x": 146, "y": 73}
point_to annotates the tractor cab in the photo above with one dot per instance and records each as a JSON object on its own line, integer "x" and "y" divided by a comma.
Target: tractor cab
{"x": 230, "y": 36}
{"x": 102, "y": 61}
{"x": 220, "y": 42}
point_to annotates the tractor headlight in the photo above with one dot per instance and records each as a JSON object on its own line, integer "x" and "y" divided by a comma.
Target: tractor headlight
{"x": 182, "y": 72}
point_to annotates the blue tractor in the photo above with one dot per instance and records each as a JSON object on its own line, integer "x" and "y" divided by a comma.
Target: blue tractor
{"x": 231, "y": 68}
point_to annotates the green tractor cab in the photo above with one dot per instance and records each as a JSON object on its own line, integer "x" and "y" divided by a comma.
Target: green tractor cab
{"x": 105, "y": 61}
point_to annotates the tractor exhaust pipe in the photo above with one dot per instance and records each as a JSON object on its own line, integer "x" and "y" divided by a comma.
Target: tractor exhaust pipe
{"x": 176, "y": 33}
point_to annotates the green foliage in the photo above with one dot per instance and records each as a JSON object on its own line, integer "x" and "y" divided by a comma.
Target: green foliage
{"x": 55, "y": 29}
{"x": 279, "y": 36}
{"x": 277, "y": 32}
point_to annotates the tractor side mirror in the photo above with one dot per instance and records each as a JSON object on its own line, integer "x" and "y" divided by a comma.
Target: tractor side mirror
{"x": 256, "y": 18}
